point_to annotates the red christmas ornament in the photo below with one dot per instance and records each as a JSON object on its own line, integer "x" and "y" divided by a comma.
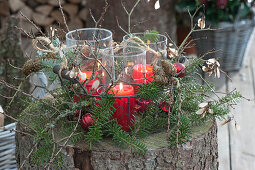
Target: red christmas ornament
{"x": 180, "y": 69}
{"x": 141, "y": 104}
{"x": 165, "y": 106}
{"x": 203, "y": 1}
{"x": 86, "y": 121}
{"x": 222, "y": 3}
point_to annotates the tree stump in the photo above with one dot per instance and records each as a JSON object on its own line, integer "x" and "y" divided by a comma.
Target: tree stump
{"x": 144, "y": 16}
{"x": 200, "y": 153}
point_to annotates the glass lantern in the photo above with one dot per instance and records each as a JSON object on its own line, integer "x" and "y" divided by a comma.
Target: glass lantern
{"x": 126, "y": 76}
{"x": 156, "y": 42}
{"x": 90, "y": 42}
{"x": 128, "y": 64}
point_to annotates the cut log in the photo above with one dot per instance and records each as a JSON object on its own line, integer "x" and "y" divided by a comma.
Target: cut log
{"x": 4, "y": 8}
{"x": 42, "y": 19}
{"x": 44, "y": 9}
{"x": 42, "y": 1}
{"x": 15, "y": 5}
{"x": 56, "y": 14}
{"x": 56, "y": 2}
{"x": 200, "y": 153}
{"x": 28, "y": 27}
{"x": 32, "y": 4}
{"x": 75, "y": 1}
{"x": 83, "y": 14}
{"x": 71, "y": 9}
{"x": 75, "y": 23}
{"x": 27, "y": 12}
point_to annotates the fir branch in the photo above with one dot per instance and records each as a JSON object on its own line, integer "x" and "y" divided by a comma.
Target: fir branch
{"x": 149, "y": 90}
{"x": 124, "y": 139}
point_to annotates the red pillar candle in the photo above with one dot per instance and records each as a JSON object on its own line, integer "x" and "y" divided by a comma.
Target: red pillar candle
{"x": 138, "y": 73}
{"x": 122, "y": 105}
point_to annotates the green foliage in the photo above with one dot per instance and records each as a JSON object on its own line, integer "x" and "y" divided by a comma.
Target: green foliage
{"x": 126, "y": 140}
{"x": 180, "y": 129}
{"x": 215, "y": 14}
{"x": 151, "y": 120}
{"x": 67, "y": 127}
{"x": 149, "y": 91}
{"x": 194, "y": 66}
{"x": 44, "y": 152}
{"x": 150, "y": 35}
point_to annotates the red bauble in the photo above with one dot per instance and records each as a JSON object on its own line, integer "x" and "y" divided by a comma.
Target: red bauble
{"x": 141, "y": 104}
{"x": 222, "y": 3}
{"x": 86, "y": 121}
{"x": 180, "y": 69}
{"x": 165, "y": 106}
{"x": 203, "y": 1}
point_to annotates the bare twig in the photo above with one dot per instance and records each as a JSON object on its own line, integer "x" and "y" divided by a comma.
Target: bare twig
{"x": 26, "y": 94}
{"x": 101, "y": 18}
{"x": 169, "y": 110}
{"x": 32, "y": 23}
{"x": 226, "y": 74}
{"x": 69, "y": 137}
{"x": 212, "y": 90}
{"x": 63, "y": 15}
{"x": 27, "y": 157}
{"x": 171, "y": 40}
{"x": 120, "y": 26}
{"x": 129, "y": 13}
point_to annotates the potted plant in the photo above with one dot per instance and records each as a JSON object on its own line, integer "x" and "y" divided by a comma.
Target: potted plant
{"x": 233, "y": 23}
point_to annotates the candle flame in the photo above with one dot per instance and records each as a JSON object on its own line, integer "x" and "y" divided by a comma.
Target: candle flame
{"x": 157, "y": 5}
{"x": 121, "y": 86}
{"x": 126, "y": 70}
{"x": 98, "y": 64}
{"x": 103, "y": 74}
{"x": 148, "y": 42}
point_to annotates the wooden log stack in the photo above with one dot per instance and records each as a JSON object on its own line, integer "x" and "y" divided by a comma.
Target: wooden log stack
{"x": 46, "y": 13}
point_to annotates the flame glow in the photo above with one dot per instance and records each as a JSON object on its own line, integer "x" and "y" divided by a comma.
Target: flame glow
{"x": 157, "y": 5}
{"x": 121, "y": 86}
{"x": 126, "y": 70}
{"x": 148, "y": 42}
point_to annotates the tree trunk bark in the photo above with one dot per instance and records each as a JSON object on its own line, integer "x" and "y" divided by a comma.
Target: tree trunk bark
{"x": 200, "y": 153}
{"x": 11, "y": 56}
{"x": 144, "y": 17}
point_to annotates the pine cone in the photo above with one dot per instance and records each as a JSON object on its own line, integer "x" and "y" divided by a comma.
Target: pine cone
{"x": 32, "y": 65}
{"x": 168, "y": 68}
{"x": 35, "y": 64}
{"x": 161, "y": 80}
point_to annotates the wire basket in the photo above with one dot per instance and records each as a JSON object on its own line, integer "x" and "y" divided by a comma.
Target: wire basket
{"x": 230, "y": 42}
{"x": 7, "y": 147}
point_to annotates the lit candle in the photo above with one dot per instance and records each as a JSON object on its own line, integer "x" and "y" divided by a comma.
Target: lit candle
{"x": 122, "y": 105}
{"x": 139, "y": 72}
